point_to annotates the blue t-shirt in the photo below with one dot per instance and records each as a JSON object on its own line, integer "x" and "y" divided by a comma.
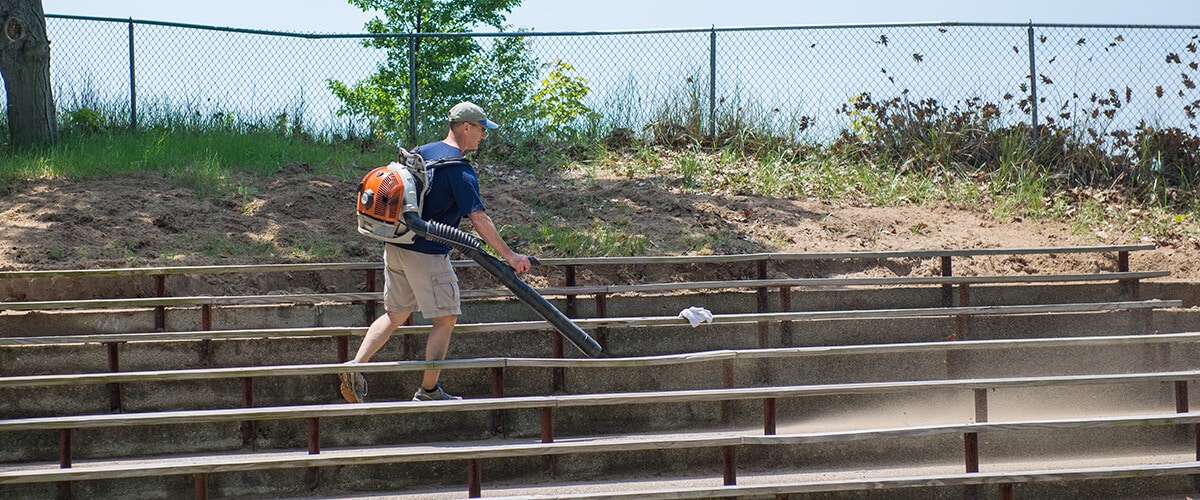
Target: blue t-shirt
{"x": 453, "y": 193}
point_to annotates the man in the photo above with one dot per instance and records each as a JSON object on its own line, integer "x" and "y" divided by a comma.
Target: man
{"x": 418, "y": 276}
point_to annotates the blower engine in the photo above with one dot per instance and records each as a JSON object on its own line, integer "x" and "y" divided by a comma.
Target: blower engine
{"x": 389, "y": 209}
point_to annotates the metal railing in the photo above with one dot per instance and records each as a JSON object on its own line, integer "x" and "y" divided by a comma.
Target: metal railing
{"x": 789, "y": 79}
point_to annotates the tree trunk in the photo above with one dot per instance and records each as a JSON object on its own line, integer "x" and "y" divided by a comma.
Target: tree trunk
{"x": 25, "y": 67}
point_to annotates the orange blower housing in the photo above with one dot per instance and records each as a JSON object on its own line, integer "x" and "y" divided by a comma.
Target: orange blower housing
{"x": 385, "y": 194}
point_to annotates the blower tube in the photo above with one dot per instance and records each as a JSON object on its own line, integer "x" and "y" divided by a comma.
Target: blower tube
{"x": 463, "y": 241}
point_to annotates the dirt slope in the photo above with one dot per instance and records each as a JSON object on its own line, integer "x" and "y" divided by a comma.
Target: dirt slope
{"x": 147, "y": 220}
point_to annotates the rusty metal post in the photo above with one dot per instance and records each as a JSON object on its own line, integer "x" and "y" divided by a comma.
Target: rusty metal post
{"x": 114, "y": 365}
{"x": 312, "y": 475}
{"x": 981, "y": 415}
{"x": 369, "y": 306}
{"x": 206, "y": 317}
{"x": 961, "y": 332}
{"x": 764, "y": 327}
{"x": 785, "y": 327}
{"x": 981, "y": 405}
{"x": 547, "y": 416}
{"x": 160, "y": 312}
{"x": 314, "y": 435}
{"x": 728, "y": 379}
{"x": 343, "y": 348}
{"x": 572, "y": 306}
{"x": 963, "y": 322}
{"x": 64, "y": 462}
{"x": 947, "y": 289}
{"x": 64, "y": 448}
{"x": 769, "y": 416}
{"x": 557, "y": 374}
{"x": 1005, "y": 491}
{"x": 971, "y": 445}
{"x": 547, "y": 425}
{"x": 474, "y": 479}
{"x": 498, "y": 426}
{"x": 248, "y": 402}
{"x": 1182, "y": 406}
{"x": 201, "y": 486}
{"x": 971, "y": 449}
{"x": 763, "y": 294}
{"x": 602, "y": 312}
{"x": 1130, "y": 289}
{"x": 206, "y": 344}
{"x": 729, "y": 465}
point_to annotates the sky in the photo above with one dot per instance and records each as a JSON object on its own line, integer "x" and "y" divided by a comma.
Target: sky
{"x": 338, "y": 16}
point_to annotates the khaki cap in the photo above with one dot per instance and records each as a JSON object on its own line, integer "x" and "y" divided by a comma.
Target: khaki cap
{"x": 467, "y": 111}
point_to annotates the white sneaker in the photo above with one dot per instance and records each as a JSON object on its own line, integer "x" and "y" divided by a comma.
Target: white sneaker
{"x": 437, "y": 394}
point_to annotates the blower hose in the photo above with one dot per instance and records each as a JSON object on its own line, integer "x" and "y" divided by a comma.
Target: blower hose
{"x": 467, "y": 243}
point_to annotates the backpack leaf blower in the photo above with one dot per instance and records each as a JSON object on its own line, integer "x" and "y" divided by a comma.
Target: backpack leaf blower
{"x": 389, "y": 208}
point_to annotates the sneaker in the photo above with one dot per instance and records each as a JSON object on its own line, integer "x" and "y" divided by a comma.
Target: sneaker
{"x": 437, "y": 394}
{"x": 354, "y": 386}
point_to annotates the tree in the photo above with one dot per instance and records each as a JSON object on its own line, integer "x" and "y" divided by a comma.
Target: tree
{"x": 448, "y": 69}
{"x": 25, "y": 68}
{"x": 559, "y": 101}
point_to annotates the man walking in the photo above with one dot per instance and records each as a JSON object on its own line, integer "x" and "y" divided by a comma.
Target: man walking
{"x": 418, "y": 276}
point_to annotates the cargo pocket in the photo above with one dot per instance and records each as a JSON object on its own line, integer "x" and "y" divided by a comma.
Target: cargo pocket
{"x": 445, "y": 290}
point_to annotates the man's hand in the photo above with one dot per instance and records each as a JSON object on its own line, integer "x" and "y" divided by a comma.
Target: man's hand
{"x": 487, "y": 230}
{"x": 519, "y": 262}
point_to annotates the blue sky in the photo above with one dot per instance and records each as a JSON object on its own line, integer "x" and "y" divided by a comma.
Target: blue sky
{"x": 337, "y": 16}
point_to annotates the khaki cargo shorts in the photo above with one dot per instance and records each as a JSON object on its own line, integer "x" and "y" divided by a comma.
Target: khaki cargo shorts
{"x": 415, "y": 281}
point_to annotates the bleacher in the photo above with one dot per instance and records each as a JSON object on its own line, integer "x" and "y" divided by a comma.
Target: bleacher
{"x": 928, "y": 386}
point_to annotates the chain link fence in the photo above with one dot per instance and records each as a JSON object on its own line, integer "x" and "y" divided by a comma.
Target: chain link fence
{"x": 802, "y": 81}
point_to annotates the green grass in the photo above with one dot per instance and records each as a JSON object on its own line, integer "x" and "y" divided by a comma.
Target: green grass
{"x": 199, "y": 159}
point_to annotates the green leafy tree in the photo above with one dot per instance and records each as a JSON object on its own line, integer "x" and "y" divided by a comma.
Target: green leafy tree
{"x": 448, "y": 68}
{"x": 559, "y": 101}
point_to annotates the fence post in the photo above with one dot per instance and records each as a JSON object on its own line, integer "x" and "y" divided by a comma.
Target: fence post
{"x": 412, "y": 89}
{"x": 712, "y": 85}
{"x": 132, "y": 82}
{"x": 1033, "y": 99}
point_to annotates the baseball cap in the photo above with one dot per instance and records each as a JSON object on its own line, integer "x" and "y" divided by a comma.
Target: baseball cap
{"x": 467, "y": 111}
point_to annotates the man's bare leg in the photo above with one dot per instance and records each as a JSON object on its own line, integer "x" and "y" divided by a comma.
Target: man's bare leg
{"x": 378, "y": 334}
{"x": 436, "y": 347}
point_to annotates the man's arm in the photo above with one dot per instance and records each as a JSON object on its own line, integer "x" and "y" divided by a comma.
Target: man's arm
{"x": 487, "y": 230}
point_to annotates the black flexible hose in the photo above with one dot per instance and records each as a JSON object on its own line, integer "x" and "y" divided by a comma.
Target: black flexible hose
{"x": 467, "y": 243}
